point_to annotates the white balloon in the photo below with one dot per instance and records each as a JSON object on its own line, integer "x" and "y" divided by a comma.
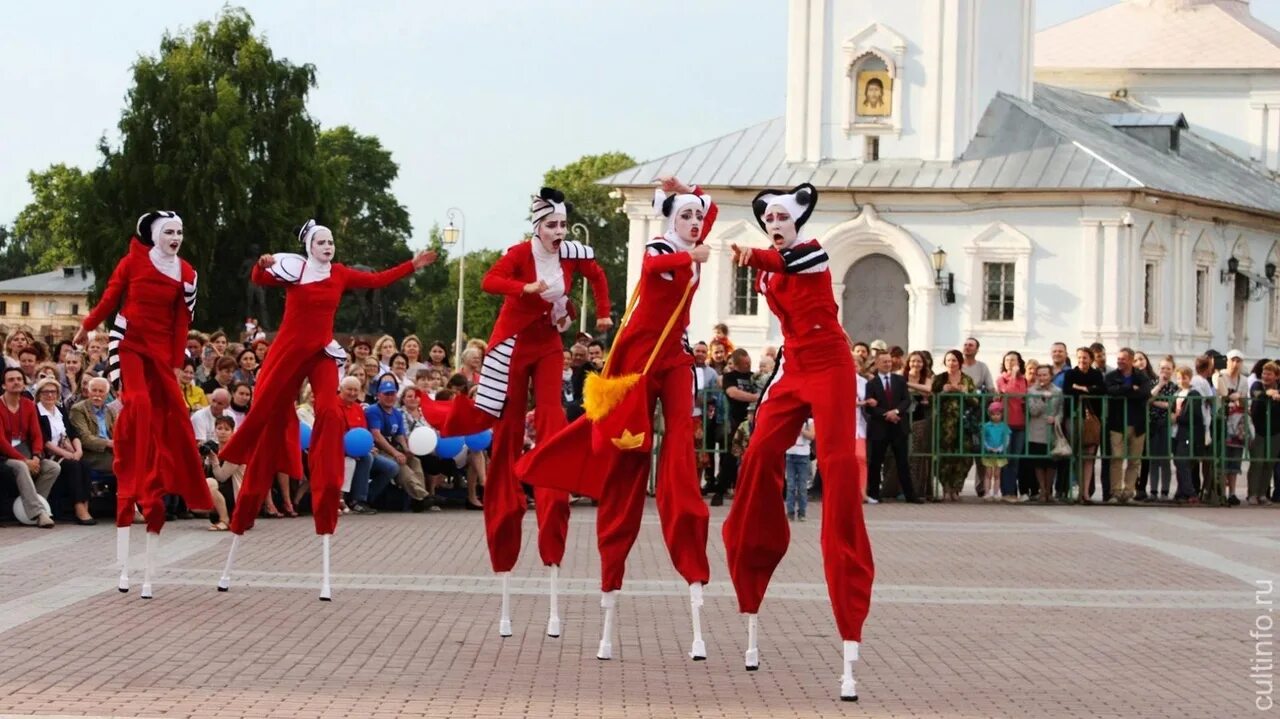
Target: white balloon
{"x": 422, "y": 441}
{"x": 20, "y": 509}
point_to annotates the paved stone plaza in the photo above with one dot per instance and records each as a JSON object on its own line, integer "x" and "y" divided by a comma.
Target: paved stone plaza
{"x": 979, "y": 611}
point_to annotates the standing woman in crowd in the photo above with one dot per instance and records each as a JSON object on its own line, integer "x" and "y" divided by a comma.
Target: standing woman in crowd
{"x": 1082, "y": 385}
{"x": 534, "y": 278}
{"x": 1159, "y": 442}
{"x": 951, "y": 410}
{"x": 1143, "y": 366}
{"x": 815, "y": 377}
{"x": 438, "y": 358}
{"x": 919, "y": 374}
{"x": 154, "y": 443}
{"x": 411, "y": 348}
{"x": 472, "y": 360}
{"x": 400, "y": 370}
{"x": 267, "y": 441}
{"x": 1264, "y": 408}
{"x": 62, "y": 446}
{"x": 1044, "y": 415}
{"x": 1012, "y": 383}
{"x": 1189, "y": 419}
{"x": 383, "y": 349}
{"x": 1233, "y": 389}
{"x": 246, "y": 367}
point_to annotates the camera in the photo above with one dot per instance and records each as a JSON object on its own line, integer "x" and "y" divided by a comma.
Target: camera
{"x": 208, "y": 448}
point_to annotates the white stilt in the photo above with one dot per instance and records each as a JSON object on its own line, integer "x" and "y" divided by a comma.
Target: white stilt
{"x": 153, "y": 548}
{"x": 504, "y": 621}
{"x": 326, "y": 593}
{"x": 553, "y": 621}
{"x": 849, "y": 687}
{"x": 753, "y": 647}
{"x": 698, "y": 652}
{"x": 224, "y": 584}
{"x": 122, "y": 557}
{"x": 608, "y": 600}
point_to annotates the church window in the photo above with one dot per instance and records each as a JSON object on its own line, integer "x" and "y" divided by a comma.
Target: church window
{"x": 998, "y": 291}
{"x": 746, "y": 301}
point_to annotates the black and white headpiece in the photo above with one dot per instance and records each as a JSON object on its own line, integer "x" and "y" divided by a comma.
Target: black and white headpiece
{"x": 308, "y": 233}
{"x": 549, "y": 201}
{"x": 152, "y": 224}
{"x": 799, "y": 202}
{"x": 671, "y": 205}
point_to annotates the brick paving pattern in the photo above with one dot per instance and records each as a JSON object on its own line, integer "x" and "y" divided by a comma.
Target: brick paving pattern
{"x": 979, "y": 611}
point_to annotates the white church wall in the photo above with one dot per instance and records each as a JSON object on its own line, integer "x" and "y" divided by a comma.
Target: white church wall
{"x": 1080, "y": 275}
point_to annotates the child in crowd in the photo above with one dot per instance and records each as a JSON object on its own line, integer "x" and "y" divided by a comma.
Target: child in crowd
{"x": 221, "y": 471}
{"x": 742, "y": 435}
{"x": 996, "y": 435}
{"x": 799, "y": 473}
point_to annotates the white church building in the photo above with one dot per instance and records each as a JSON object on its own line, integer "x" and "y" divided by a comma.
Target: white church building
{"x": 1107, "y": 179}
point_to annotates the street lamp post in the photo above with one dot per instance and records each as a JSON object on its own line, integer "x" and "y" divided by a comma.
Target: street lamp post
{"x": 580, "y": 230}
{"x": 455, "y": 235}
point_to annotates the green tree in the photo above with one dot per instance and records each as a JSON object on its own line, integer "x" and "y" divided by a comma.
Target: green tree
{"x": 216, "y": 127}
{"x": 47, "y": 228}
{"x": 370, "y": 225}
{"x": 433, "y": 311}
{"x": 13, "y": 256}
{"x": 593, "y": 207}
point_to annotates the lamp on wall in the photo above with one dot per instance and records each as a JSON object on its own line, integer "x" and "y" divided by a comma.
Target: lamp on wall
{"x": 948, "y": 286}
{"x": 1233, "y": 266}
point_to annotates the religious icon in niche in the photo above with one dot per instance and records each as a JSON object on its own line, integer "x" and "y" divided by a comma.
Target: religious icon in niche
{"x": 875, "y": 93}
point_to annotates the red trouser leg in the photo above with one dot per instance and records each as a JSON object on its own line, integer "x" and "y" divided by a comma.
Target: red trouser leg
{"x": 846, "y": 548}
{"x": 504, "y": 500}
{"x": 552, "y": 505}
{"x": 180, "y": 470}
{"x": 326, "y": 455}
{"x": 135, "y": 456}
{"x": 756, "y": 532}
{"x": 264, "y": 436}
{"x": 619, "y": 513}
{"x": 684, "y": 515}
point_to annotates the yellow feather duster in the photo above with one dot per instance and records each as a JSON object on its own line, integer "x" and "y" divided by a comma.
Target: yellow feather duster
{"x": 601, "y": 394}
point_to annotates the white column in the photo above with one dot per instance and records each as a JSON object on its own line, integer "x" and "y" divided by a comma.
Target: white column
{"x": 1090, "y": 288}
{"x": 1271, "y": 138}
{"x": 1113, "y": 263}
{"x": 923, "y": 302}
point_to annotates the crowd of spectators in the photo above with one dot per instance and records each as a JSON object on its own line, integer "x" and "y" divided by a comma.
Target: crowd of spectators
{"x": 1030, "y": 431}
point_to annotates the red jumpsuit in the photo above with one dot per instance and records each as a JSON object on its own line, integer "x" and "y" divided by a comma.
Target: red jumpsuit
{"x": 155, "y": 446}
{"x": 815, "y": 377}
{"x": 267, "y": 441}
{"x": 524, "y": 346}
{"x": 619, "y": 478}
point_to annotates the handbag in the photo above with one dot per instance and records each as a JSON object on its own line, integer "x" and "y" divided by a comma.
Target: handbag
{"x": 1061, "y": 447}
{"x": 1090, "y": 430}
{"x": 618, "y": 406}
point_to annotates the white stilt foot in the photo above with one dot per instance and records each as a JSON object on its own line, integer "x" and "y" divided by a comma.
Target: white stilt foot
{"x": 698, "y": 652}
{"x": 326, "y": 592}
{"x": 753, "y": 648}
{"x": 553, "y": 621}
{"x": 849, "y": 687}
{"x": 504, "y": 621}
{"x": 122, "y": 557}
{"x": 224, "y": 584}
{"x": 608, "y": 600}
{"x": 153, "y": 548}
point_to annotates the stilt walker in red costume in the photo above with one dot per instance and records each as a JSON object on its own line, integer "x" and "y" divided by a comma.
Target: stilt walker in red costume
{"x": 535, "y": 278}
{"x": 815, "y": 376}
{"x": 154, "y": 444}
{"x": 650, "y": 360}
{"x": 267, "y": 441}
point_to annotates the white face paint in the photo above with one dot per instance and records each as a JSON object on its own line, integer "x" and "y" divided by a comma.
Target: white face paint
{"x": 688, "y": 224}
{"x": 170, "y": 239}
{"x": 551, "y": 232}
{"x": 780, "y": 226}
{"x": 322, "y": 246}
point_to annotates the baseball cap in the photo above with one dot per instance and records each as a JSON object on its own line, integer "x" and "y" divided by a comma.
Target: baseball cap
{"x": 1235, "y": 354}
{"x": 388, "y": 386}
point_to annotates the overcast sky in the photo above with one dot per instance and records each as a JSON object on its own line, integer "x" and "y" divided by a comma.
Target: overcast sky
{"x": 474, "y": 99}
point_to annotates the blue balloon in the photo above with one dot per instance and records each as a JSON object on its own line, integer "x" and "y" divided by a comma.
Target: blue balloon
{"x": 479, "y": 441}
{"x": 449, "y": 447}
{"x": 304, "y": 435}
{"x": 358, "y": 442}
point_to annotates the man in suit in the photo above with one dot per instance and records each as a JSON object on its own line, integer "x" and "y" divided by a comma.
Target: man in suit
{"x": 888, "y": 427}
{"x": 95, "y": 422}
